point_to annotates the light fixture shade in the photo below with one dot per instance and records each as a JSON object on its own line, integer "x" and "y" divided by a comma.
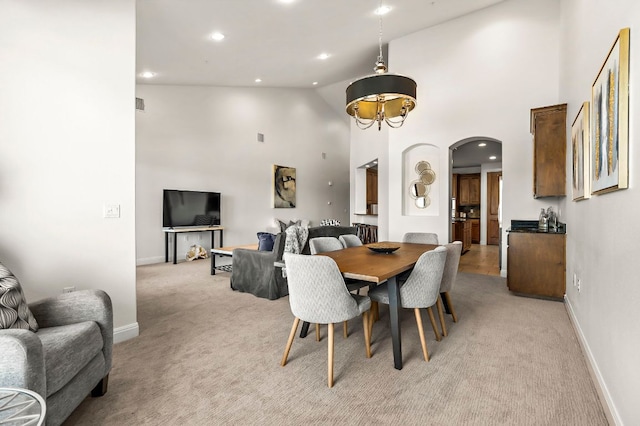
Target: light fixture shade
{"x": 387, "y": 92}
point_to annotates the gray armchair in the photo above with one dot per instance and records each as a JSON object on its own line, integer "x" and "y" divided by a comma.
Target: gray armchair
{"x": 254, "y": 271}
{"x": 68, "y": 357}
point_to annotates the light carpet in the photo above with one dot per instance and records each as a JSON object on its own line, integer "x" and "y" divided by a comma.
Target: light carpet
{"x": 207, "y": 355}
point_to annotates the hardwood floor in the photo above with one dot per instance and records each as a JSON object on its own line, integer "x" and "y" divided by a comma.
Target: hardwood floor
{"x": 480, "y": 259}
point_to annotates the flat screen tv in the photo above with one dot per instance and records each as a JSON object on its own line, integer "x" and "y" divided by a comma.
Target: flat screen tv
{"x": 190, "y": 208}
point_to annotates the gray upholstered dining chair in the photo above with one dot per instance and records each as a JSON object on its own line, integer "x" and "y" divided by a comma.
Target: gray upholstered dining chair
{"x": 454, "y": 250}
{"x": 420, "y": 238}
{"x": 318, "y": 294}
{"x": 350, "y": 240}
{"x": 421, "y": 290}
{"x": 325, "y": 244}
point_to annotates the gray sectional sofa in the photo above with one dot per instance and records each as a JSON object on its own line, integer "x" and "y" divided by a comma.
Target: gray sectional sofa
{"x": 254, "y": 271}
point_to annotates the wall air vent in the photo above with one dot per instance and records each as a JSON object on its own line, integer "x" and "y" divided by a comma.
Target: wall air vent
{"x": 139, "y": 104}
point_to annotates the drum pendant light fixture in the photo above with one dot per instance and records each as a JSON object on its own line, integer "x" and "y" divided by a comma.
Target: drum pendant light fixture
{"x": 381, "y": 96}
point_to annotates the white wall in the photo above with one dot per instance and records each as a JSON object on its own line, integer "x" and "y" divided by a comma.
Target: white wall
{"x": 602, "y": 231}
{"x": 67, "y": 148}
{"x": 205, "y": 138}
{"x": 477, "y": 76}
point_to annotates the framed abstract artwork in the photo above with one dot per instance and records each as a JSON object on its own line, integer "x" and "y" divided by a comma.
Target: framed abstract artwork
{"x": 609, "y": 120}
{"x": 580, "y": 151}
{"x": 284, "y": 186}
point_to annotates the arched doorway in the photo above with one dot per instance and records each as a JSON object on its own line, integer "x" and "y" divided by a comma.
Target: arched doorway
{"x": 475, "y": 190}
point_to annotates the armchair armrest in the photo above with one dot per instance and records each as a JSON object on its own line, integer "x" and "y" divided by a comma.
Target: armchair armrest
{"x": 22, "y": 361}
{"x": 75, "y": 307}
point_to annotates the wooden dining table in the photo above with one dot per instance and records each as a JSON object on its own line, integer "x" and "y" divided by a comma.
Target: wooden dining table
{"x": 363, "y": 264}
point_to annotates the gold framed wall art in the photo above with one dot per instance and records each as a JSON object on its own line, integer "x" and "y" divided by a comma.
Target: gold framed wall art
{"x": 610, "y": 120}
{"x": 580, "y": 154}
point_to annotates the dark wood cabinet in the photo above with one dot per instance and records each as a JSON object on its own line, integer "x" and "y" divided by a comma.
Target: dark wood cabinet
{"x": 462, "y": 232}
{"x": 548, "y": 127}
{"x": 536, "y": 264}
{"x": 469, "y": 189}
{"x": 493, "y": 207}
{"x": 372, "y": 189}
{"x": 475, "y": 230}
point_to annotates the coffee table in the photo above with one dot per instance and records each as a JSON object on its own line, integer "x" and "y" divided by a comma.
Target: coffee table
{"x": 21, "y": 407}
{"x": 226, "y": 251}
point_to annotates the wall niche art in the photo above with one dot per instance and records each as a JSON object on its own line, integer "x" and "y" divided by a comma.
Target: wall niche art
{"x": 610, "y": 120}
{"x": 284, "y": 187}
{"x": 421, "y": 180}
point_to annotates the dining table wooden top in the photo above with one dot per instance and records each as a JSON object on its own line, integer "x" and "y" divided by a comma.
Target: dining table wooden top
{"x": 362, "y": 263}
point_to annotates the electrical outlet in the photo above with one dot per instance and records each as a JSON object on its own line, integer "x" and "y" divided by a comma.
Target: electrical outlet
{"x": 112, "y": 211}
{"x": 69, "y": 289}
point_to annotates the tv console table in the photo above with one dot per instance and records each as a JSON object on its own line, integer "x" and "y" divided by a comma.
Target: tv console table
{"x": 176, "y": 231}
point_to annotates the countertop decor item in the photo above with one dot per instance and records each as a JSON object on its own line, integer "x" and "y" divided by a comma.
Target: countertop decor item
{"x": 383, "y": 247}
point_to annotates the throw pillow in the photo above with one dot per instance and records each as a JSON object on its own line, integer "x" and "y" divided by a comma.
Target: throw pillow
{"x": 265, "y": 241}
{"x": 295, "y": 239}
{"x": 284, "y": 225}
{"x": 14, "y": 311}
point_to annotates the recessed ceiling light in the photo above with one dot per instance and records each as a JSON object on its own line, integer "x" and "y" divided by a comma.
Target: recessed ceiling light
{"x": 375, "y": 162}
{"x": 367, "y": 166}
{"x": 217, "y": 36}
{"x": 315, "y": 83}
{"x": 493, "y": 157}
{"x": 323, "y": 56}
{"x": 287, "y": 1}
{"x": 148, "y": 74}
{"x": 383, "y": 10}
{"x": 258, "y": 80}
{"x": 482, "y": 144}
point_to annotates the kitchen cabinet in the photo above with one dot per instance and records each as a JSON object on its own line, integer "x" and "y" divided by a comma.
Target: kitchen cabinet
{"x": 536, "y": 264}
{"x": 372, "y": 190}
{"x": 462, "y": 232}
{"x": 469, "y": 189}
{"x": 548, "y": 127}
{"x": 475, "y": 230}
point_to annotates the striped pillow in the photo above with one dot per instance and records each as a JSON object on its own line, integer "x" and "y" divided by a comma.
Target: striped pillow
{"x": 14, "y": 311}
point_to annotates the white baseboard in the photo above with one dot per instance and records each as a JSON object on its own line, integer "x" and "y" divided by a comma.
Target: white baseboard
{"x": 126, "y": 332}
{"x": 601, "y": 388}
{"x": 150, "y": 260}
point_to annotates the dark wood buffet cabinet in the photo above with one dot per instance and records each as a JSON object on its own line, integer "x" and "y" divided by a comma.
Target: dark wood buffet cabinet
{"x": 536, "y": 264}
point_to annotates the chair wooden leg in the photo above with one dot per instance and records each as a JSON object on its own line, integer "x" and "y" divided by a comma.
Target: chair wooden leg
{"x": 433, "y": 324}
{"x": 453, "y": 311}
{"x": 296, "y": 321}
{"x": 372, "y": 316}
{"x": 330, "y": 360}
{"x": 345, "y": 330}
{"x": 366, "y": 319}
{"x": 423, "y": 342}
{"x": 317, "y": 332}
{"x": 441, "y": 315}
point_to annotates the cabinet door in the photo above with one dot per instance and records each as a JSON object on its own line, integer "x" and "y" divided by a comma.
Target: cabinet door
{"x": 493, "y": 204}
{"x": 536, "y": 264}
{"x": 475, "y": 231}
{"x": 463, "y": 190}
{"x": 548, "y": 126}
{"x": 474, "y": 190}
{"x": 466, "y": 242}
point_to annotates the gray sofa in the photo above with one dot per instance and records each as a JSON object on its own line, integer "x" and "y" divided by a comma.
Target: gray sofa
{"x": 68, "y": 357}
{"x": 254, "y": 271}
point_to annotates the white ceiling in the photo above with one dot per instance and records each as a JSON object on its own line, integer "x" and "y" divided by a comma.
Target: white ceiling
{"x": 276, "y": 41}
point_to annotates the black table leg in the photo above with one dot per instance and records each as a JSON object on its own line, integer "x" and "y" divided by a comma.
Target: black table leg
{"x": 175, "y": 248}
{"x": 394, "y": 314}
{"x": 221, "y": 236}
{"x": 166, "y": 247}
{"x": 213, "y": 262}
{"x": 304, "y": 330}
{"x": 445, "y": 304}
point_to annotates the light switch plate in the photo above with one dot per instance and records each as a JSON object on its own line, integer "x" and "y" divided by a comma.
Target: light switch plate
{"x": 112, "y": 210}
